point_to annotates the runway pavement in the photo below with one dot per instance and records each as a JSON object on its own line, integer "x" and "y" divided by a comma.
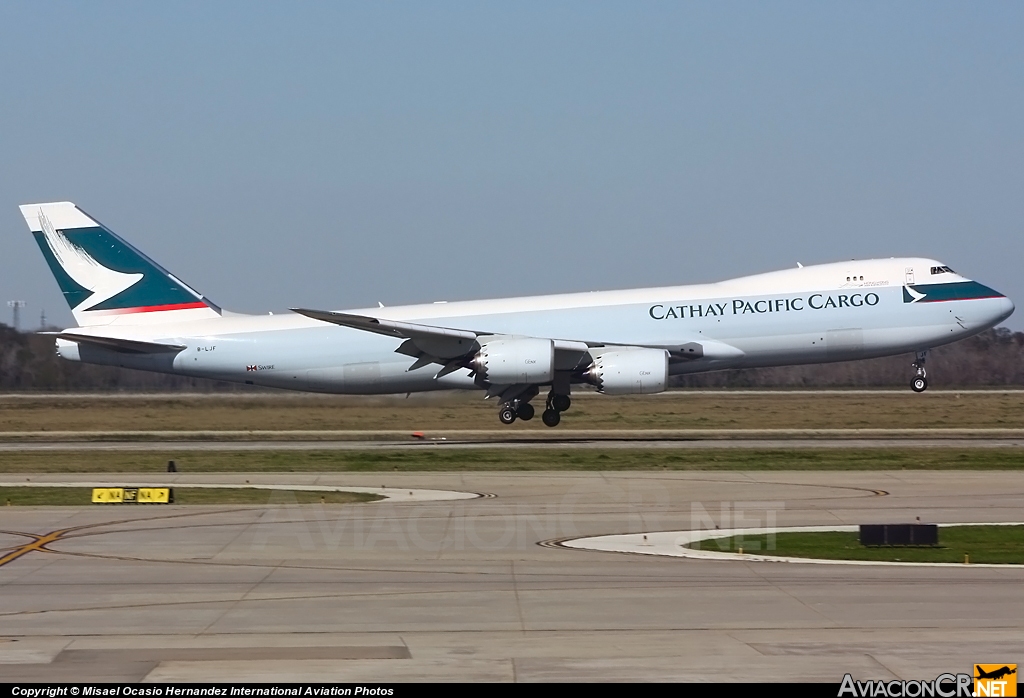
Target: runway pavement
{"x": 578, "y": 393}
{"x": 594, "y": 442}
{"x": 541, "y": 437}
{"x": 479, "y": 590}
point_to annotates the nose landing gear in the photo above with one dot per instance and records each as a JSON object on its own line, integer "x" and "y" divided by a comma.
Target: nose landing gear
{"x": 920, "y": 382}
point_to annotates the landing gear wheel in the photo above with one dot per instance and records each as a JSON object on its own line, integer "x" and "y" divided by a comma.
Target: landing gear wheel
{"x": 551, "y": 418}
{"x": 561, "y": 402}
{"x": 507, "y": 415}
{"x": 920, "y": 382}
{"x": 525, "y": 412}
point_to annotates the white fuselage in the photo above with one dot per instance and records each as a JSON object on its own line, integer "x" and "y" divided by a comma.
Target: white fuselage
{"x": 829, "y": 312}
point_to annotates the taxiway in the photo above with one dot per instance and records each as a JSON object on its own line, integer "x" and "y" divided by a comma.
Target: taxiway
{"x": 479, "y": 589}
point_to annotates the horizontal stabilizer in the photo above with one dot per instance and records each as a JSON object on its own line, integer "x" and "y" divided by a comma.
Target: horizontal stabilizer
{"x": 133, "y": 346}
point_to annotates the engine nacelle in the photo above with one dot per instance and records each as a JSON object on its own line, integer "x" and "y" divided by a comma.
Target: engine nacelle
{"x": 629, "y": 372}
{"x": 512, "y": 361}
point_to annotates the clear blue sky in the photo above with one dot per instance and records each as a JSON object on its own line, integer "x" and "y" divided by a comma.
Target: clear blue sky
{"x": 336, "y": 154}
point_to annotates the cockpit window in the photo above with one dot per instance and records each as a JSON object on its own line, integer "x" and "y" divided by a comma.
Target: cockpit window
{"x": 942, "y": 270}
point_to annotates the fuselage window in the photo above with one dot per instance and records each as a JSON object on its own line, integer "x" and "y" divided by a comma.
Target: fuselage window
{"x": 942, "y": 270}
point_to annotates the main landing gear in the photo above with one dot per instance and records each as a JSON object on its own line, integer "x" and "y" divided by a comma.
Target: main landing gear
{"x": 920, "y": 382}
{"x": 556, "y": 404}
{"x": 520, "y": 408}
{"x": 517, "y": 409}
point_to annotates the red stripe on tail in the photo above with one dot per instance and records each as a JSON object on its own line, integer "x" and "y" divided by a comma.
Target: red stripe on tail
{"x": 154, "y": 308}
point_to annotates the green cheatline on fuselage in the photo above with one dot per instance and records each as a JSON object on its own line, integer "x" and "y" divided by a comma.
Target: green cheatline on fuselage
{"x": 957, "y": 291}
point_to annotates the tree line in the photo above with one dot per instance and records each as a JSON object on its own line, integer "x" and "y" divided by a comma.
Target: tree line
{"x": 28, "y": 362}
{"x": 993, "y": 358}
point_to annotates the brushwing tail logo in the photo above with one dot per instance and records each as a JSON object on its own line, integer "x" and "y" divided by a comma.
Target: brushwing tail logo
{"x": 85, "y": 271}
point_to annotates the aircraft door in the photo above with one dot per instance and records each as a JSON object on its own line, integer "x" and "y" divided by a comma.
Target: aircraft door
{"x": 350, "y": 378}
{"x": 844, "y": 344}
{"x": 362, "y": 377}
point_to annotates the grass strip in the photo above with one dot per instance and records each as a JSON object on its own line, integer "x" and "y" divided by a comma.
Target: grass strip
{"x": 437, "y": 412}
{"x": 82, "y": 496}
{"x": 983, "y": 544}
{"x": 513, "y": 459}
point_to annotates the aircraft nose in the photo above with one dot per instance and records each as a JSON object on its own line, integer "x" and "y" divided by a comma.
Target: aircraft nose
{"x": 1006, "y": 308}
{"x": 1000, "y": 308}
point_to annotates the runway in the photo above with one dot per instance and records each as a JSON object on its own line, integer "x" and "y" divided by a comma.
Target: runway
{"x": 977, "y": 439}
{"x": 584, "y": 393}
{"x": 476, "y": 590}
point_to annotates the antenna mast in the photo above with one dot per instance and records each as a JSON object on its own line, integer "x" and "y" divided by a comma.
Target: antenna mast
{"x": 16, "y": 307}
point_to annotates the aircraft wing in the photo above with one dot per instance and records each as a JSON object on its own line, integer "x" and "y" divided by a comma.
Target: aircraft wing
{"x": 391, "y": 328}
{"x": 445, "y": 345}
{"x": 439, "y": 342}
{"x": 432, "y": 344}
{"x": 132, "y": 346}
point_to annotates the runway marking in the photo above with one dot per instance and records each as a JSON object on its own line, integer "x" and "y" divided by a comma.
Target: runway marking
{"x": 38, "y": 543}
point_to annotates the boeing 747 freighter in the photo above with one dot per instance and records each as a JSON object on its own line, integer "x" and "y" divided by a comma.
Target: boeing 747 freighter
{"x": 132, "y": 312}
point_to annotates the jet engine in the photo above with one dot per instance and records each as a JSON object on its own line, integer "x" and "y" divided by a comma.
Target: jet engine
{"x": 629, "y": 372}
{"x": 514, "y": 361}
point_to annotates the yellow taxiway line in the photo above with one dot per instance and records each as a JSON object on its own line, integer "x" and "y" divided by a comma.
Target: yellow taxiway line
{"x": 38, "y": 543}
